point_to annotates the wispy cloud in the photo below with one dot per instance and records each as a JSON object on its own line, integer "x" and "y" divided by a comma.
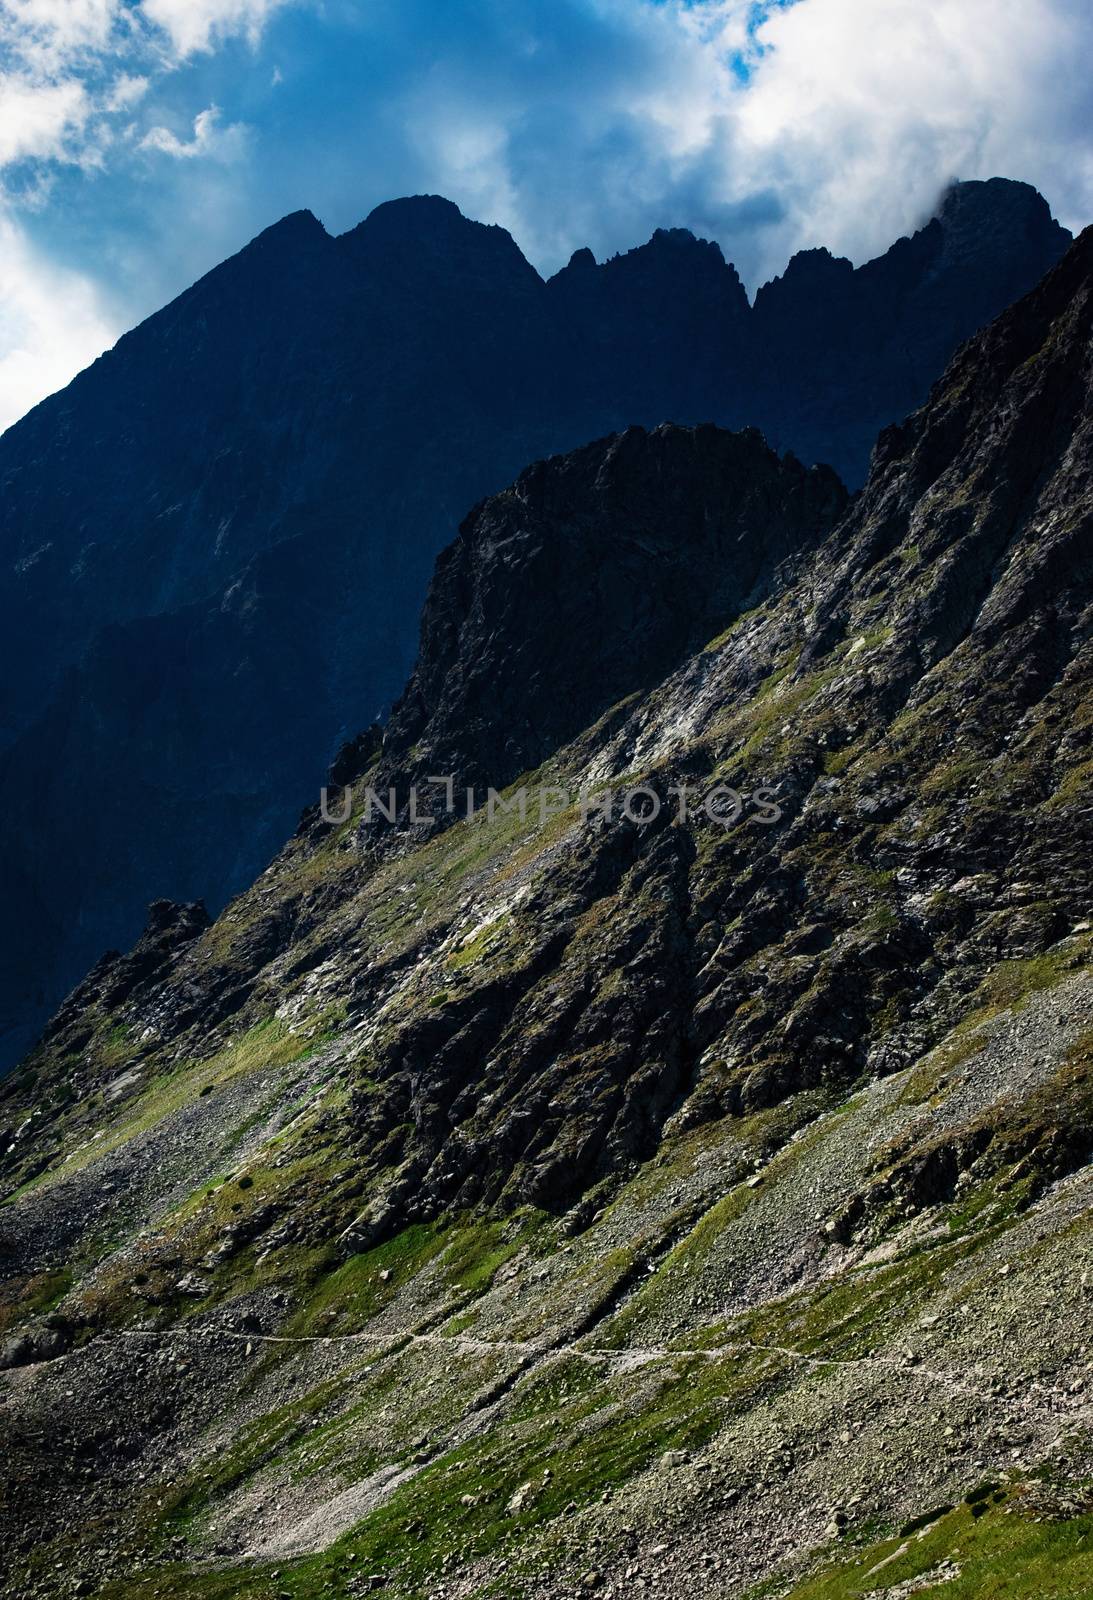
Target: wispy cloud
{"x": 209, "y": 139}
{"x": 196, "y": 25}
{"x": 52, "y": 322}
{"x": 126, "y": 91}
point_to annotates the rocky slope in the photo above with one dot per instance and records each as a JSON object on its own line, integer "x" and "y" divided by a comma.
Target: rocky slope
{"x": 564, "y": 1204}
{"x": 224, "y": 529}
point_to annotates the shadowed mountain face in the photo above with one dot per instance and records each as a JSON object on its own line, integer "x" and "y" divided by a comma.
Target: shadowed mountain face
{"x": 714, "y": 1195}
{"x": 590, "y": 579}
{"x": 216, "y": 540}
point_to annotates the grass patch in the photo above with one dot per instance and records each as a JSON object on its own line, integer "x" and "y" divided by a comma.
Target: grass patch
{"x": 981, "y": 1551}
{"x": 345, "y": 1300}
{"x": 268, "y": 1044}
{"x": 1011, "y": 983}
{"x": 22, "y": 1298}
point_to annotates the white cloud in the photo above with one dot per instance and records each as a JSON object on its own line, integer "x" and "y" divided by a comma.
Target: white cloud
{"x": 209, "y": 139}
{"x": 49, "y": 34}
{"x": 859, "y": 115}
{"x": 771, "y": 128}
{"x": 38, "y": 121}
{"x": 126, "y": 91}
{"x": 52, "y": 324}
{"x": 196, "y": 25}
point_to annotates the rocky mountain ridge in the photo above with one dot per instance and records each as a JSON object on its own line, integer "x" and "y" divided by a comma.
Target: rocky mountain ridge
{"x": 225, "y": 527}
{"x": 587, "y": 1206}
{"x": 647, "y": 545}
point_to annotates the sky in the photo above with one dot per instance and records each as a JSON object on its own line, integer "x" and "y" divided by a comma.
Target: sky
{"x": 142, "y": 141}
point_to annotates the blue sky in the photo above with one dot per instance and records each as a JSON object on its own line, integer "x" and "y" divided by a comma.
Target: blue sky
{"x": 141, "y": 141}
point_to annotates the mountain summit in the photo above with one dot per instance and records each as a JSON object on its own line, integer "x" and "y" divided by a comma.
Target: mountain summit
{"x": 224, "y": 528}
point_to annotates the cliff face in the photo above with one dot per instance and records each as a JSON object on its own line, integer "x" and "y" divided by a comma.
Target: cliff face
{"x": 708, "y": 1193}
{"x": 588, "y": 581}
{"x": 217, "y": 539}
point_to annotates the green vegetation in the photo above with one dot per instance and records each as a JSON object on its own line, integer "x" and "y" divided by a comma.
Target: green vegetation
{"x": 483, "y": 941}
{"x": 268, "y": 1044}
{"x": 997, "y": 1551}
{"x": 1011, "y": 983}
{"x": 22, "y": 1298}
{"x": 462, "y": 1504}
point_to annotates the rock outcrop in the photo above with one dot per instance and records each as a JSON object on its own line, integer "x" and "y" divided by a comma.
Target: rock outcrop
{"x": 588, "y": 581}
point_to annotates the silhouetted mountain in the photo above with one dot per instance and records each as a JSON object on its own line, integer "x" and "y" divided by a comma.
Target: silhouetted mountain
{"x": 845, "y": 352}
{"x": 217, "y": 539}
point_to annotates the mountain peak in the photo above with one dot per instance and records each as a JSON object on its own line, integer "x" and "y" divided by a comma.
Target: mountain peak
{"x": 983, "y": 198}
{"x": 978, "y": 215}
{"x": 681, "y": 238}
{"x": 677, "y": 243}
{"x": 302, "y": 221}
{"x": 415, "y": 211}
{"x": 298, "y": 227}
{"x": 582, "y": 259}
{"x": 680, "y": 272}
{"x": 808, "y": 269}
{"x": 429, "y": 226}
{"x": 670, "y": 567}
{"x": 424, "y": 219}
